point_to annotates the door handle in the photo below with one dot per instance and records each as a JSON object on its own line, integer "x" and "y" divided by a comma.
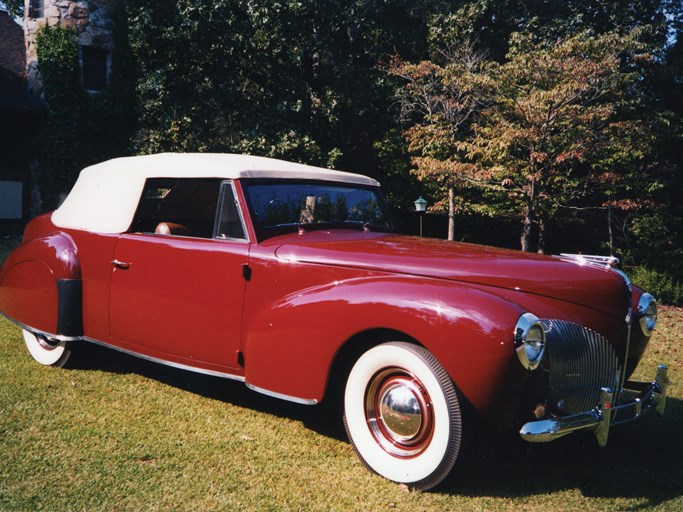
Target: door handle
{"x": 123, "y": 265}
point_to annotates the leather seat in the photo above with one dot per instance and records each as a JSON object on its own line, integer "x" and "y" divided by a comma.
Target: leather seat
{"x": 171, "y": 228}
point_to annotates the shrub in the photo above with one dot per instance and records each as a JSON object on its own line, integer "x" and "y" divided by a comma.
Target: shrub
{"x": 80, "y": 129}
{"x": 661, "y": 285}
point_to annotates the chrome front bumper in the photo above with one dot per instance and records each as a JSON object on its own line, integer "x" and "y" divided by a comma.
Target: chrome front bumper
{"x": 605, "y": 414}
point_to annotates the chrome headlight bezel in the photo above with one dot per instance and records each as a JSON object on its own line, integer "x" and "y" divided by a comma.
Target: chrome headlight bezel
{"x": 529, "y": 340}
{"x": 647, "y": 314}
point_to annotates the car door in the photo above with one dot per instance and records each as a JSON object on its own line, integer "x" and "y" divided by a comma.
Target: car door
{"x": 177, "y": 286}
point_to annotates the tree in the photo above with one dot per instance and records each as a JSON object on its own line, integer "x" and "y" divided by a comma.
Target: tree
{"x": 15, "y": 8}
{"x": 440, "y": 102}
{"x": 492, "y": 23}
{"x": 555, "y": 123}
{"x": 536, "y": 128}
{"x": 292, "y": 79}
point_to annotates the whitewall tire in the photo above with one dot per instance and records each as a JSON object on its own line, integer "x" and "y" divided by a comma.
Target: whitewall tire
{"x": 402, "y": 414}
{"x": 46, "y": 352}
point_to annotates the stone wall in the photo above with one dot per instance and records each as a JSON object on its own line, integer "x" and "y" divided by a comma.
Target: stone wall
{"x": 92, "y": 20}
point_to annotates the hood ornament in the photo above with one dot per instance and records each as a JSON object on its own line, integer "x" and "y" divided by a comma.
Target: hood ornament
{"x": 591, "y": 260}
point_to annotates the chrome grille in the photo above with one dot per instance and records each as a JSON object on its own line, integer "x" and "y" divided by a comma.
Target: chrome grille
{"x": 580, "y": 362}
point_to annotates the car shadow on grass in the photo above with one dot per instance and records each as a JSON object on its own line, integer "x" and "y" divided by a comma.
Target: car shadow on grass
{"x": 321, "y": 419}
{"x": 642, "y": 461}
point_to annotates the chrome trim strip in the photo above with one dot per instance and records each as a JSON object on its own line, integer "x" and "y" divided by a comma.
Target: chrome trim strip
{"x": 219, "y": 210}
{"x": 282, "y": 396}
{"x": 622, "y": 377}
{"x": 603, "y": 416}
{"x": 629, "y": 331}
{"x": 180, "y": 366}
{"x": 50, "y": 336}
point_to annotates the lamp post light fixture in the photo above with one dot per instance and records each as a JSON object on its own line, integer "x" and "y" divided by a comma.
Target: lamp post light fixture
{"x": 421, "y": 208}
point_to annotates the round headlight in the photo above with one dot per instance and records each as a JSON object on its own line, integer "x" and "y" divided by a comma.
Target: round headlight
{"x": 529, "y": 340}
{"x": 647, "y": 313}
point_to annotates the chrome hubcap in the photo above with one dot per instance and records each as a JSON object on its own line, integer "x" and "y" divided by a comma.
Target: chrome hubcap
{"x": 46, "y": 343}
{"x": 399, "y": 413}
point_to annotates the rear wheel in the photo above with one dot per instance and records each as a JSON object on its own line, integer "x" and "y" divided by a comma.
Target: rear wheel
{"x": 402, "y": 414}
{"x": 47, "y": 352}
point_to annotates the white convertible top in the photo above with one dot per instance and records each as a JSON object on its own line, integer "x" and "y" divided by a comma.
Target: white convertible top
{"x": 106, "y": 195}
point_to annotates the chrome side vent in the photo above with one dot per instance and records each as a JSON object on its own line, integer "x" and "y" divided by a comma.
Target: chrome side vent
{"x": 580, "y": 362}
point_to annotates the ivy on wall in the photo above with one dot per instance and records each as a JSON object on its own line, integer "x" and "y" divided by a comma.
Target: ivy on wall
{"x": 80, "y": 129}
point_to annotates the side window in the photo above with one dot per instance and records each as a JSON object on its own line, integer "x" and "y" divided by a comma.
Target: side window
{"x": 94, "y": 67}
{"x": 178, "y": 206}
{"x": 229, "y": 221}
{"x": 36, "y": 9}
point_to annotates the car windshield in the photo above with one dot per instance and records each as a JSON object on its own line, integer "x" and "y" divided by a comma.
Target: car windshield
{"x": 280, "y": 206}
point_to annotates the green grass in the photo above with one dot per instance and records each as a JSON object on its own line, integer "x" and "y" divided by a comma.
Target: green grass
{"x": 118, "y": 433}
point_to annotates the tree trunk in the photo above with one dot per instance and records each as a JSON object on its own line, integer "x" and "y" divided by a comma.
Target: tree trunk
{"x": 541, "y": 235}
{"x": 609, "y": 229}
{"x": 526, "y": 232}
{"x": 528, "y": 219}
{"x": 451, "y": 213}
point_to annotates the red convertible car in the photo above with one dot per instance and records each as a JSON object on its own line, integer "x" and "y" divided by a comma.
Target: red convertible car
{"x": 293, "y": 280}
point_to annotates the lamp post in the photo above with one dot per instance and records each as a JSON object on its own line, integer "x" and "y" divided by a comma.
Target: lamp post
{"x": 421, "y": 208}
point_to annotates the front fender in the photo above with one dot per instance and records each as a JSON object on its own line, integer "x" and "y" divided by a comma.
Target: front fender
{"x": 291, "y": 344}
{"x": 40, "y": 286}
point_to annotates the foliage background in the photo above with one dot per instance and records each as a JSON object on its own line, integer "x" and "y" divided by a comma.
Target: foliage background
{"x": 309, "y": 81}
{"x": 80, "y": 129}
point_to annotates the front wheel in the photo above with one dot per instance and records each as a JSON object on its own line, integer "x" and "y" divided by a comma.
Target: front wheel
{"x": 402, "y": 414}
{"x": 47, "y": 352}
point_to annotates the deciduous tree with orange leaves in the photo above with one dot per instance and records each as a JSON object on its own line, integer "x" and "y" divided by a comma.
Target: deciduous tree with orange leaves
{"x": 537, "y": 131}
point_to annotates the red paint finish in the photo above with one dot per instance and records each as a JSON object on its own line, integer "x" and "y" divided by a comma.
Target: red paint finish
{"x": 181, "y": 297}
{"x": 292, "y": 329}
{"x": 28, "y": 295}
{"x": 97, "y": 252}
{"x": 57, "y": 250}
{"x": 536, "y": 274}
{"x": 28, "y": 279}
{"x": 39, "y": 227}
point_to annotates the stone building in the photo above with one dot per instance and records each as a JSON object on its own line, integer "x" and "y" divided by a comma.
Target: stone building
{"x": 93, "y": 21}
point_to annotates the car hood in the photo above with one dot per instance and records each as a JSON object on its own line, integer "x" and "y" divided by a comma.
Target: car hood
{"x": 597, "y": 288}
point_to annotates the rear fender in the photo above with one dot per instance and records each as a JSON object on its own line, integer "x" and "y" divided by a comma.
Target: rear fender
{"x": 291, "y": 345}
{"x": 40, "y": 286}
